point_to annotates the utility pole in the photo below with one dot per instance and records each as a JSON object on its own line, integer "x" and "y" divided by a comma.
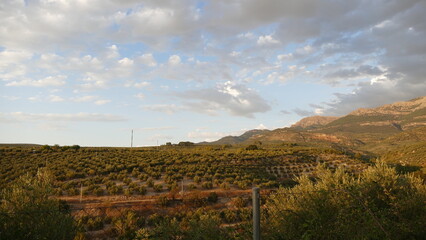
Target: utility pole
{"x": 131, "y": 140}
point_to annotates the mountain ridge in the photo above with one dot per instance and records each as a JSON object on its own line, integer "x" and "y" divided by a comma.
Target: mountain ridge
{"x": 359, "y": 127}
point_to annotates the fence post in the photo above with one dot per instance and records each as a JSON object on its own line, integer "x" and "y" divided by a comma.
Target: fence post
{"x": 256, "y": 214}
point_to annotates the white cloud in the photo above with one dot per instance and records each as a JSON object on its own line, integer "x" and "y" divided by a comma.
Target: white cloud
{"x": 12, "y": 57}
{"x": 228, "y": 88}
{"x": 234, "y": 54}
{"x": 267, "y": 40}
{"x": 54, "y": 98}
{"x": 261, "y": 127}
{"x": 236, "y": 99}
{"x": 71, "y": 117}
{"x": 34, "y": 98}
{"x": 102, "y": 101}
{"x": 90, "y": 98}
{"x": 148, "y": 59}
{"x": 154, "y": 19}
{"x": 205, "y": 136}
{"x": 140, "y": 96}
{"x": 248, "y": 35}
{"x": 275, "y": 77}
{"x": 319, "y": 111}
{"x": 45, "y": 82}
{"x": 125, "y": 62}
{"x": 86, "y": 98}
{"x": 95, "y": 85}
{"x": 308, "y": 49}
{"x": 283, "y": 57}
{"x": 141, "y": 84}
{"x": 174, "y": 60}
{"x": 166, "y": 108}
{"x": 113, "y": 52}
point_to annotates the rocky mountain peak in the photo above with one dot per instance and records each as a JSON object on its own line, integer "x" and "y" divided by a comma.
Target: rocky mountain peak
{"x": 313, "y": 121}
{"x": 398, "y": 108}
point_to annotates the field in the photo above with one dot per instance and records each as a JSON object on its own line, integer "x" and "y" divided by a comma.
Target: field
{"x": 147, "y": 171}
{"x": 102, "y": 184}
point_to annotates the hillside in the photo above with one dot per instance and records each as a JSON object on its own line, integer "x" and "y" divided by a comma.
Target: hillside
{"x": 238, "y": 139}
{"x": 362, "y": 127}
{"x": 376, "y": 124}
{"x": 313, "y": 122}
{"x": 405, "y": 148}
{"x": 295, "y": 135}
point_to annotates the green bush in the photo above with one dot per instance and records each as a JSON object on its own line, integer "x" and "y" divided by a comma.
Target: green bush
{"x": 379, "y": 204}
{"x": 27, "y": 212}
{"x": 212, "y": 197}
{"x": 252, "y": 147}
{"x": 158, "y": 187}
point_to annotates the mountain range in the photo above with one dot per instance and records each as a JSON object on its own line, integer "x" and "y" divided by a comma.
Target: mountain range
{"x": 377, "y": 130}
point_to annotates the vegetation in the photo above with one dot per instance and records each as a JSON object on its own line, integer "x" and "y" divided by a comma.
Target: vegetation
{"x": 114, "y": 171}
{"x": 343, "y": 199}
{"x": 27, "y": 212}
{"x": 378, "y": 204}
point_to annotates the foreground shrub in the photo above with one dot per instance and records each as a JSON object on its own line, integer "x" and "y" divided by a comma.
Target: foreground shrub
{"x": 379, "y": 204}
{"x": 198, "y": 226}
{"x": 27, "y": 212}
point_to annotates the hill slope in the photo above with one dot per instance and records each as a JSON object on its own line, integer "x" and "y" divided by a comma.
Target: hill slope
{"x": 239, "y": 139}
{"x": 362, "y": 127}
{"x": 376, "y": 124}
{"x": 313, "y": 122}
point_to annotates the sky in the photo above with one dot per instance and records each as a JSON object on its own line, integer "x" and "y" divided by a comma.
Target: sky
{"x": 87, "y": 72}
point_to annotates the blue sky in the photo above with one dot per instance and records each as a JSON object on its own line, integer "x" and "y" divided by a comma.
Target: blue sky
{"x": 87, "y": 72}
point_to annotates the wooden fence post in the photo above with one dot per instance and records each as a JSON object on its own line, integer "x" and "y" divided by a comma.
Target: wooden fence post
{"x": 256, "y": 214}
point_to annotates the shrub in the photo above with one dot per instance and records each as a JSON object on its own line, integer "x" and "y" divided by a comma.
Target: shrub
{"x": 379, "y": 204}
{"x": 150, "y": 182}
{"x": 252, "y": 147}
{"x": 125, "y": 226}
{"x": 207, "y": 185}
{"x": 27, "y": 212}
{"x": 163, "y": 201}
{"x": 239, "y": 202}
{"x": 99, "y": 192}
{"x": 212, "y": 197}
{"x": 158, "y": 187}
{"x": 142, "y": 190}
